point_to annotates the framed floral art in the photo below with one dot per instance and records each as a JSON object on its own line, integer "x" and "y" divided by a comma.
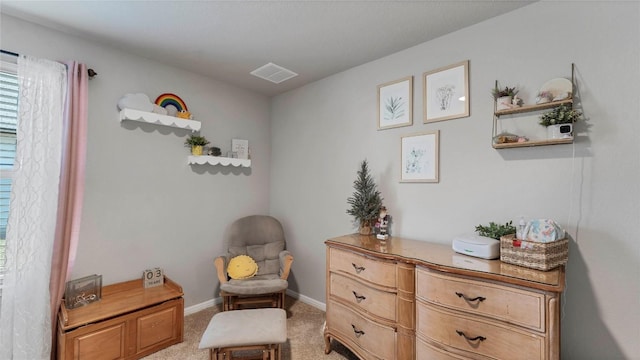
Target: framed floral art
{"x": 446, "y": 92}
{"x": 419, "y": 157}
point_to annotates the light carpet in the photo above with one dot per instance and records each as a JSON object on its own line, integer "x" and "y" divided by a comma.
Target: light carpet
{"x": 304, "y": 336}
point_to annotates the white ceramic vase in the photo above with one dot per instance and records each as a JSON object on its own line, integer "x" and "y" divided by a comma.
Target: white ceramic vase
{"x": 504, "y": 102}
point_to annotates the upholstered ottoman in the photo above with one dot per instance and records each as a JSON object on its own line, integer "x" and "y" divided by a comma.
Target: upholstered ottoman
{"x": 251, "y": 329}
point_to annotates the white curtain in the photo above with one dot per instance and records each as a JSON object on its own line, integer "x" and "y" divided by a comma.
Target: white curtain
{"x": 25, "y": 314}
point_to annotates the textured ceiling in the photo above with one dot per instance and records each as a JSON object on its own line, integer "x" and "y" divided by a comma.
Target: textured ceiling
{"x": 226, "y": 40}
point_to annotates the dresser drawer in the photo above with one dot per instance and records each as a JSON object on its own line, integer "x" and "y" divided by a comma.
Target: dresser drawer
{"x": 457, "y": 330}
{"x": 375, "y": 339}
{"x": 510, "y": 304}
{"x": 377, "y": 302}
{"x": 376, "y": 271}
{"x": 425, "y": 351}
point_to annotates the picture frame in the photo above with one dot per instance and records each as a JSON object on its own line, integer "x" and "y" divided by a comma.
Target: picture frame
{"x": 240, "y": 147}
{"x": 83, "y": 291}
{"x": 419, "y": 157}
{"x": 446, "y": 92}
{"x": 395, "y": 103}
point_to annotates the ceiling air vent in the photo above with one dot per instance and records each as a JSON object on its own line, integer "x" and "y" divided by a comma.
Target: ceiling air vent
{"x": 274, "y": 73}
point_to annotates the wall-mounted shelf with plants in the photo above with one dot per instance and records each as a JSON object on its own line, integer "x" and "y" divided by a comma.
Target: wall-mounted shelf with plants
{"x": 556, "y": 95}
{"x": 218, "y": 160}
{"x": 159, "y": 119}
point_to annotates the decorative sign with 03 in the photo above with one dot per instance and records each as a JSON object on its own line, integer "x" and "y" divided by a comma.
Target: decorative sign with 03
{"x": 153, "y": 277}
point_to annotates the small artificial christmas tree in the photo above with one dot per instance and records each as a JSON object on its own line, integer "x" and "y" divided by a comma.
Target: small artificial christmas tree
{"x": 366, "y": 201}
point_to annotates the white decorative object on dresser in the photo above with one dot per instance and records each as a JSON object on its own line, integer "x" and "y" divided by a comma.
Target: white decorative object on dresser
{"x": 408, "y": 299}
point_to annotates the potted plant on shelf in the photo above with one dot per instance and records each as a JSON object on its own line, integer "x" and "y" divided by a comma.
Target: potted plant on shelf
{"x": 196, "y": 142}
{"x": 366, "y": 201}
{"x": 504, "y": 97}
{"x": 559, "y": 121}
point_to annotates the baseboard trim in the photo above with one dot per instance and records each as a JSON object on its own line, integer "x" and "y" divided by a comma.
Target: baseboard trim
{"x": 307, "y": 300}
{"x": 203, "y": 305}
{"x": 213, "y": 302}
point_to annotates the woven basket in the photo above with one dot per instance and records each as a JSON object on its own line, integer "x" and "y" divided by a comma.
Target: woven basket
{"x": 534, "y": 255}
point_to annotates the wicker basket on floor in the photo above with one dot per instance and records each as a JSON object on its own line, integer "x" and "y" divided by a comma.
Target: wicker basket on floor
{"x": 534, "y": 255}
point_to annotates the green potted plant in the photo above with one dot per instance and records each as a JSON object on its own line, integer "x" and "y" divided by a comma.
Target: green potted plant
{"x": 563, "y": 114}
{"x": 507, "y": 91}
{"x": 366, "y": 200}
{"x": 559, "y": 121}
{"x": 196, "y": 142}
{"x": 495, "y": 231}
{"x": 503, "y": 97}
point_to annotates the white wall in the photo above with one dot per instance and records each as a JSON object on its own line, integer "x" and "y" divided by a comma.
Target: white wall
{"x": 144, "y": 206}
{"x": 322, "y": 131}
{"x": 140, "y": 191}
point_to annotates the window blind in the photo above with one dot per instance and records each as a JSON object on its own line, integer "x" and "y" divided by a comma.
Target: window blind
{"x": 8, "y": 125}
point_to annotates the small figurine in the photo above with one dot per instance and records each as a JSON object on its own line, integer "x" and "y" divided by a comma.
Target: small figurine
{"x": 544, "y": 97}
{"x": 516, "y": 101}
{"x": 383, "y": 220}
{"x": 214, "y": 151}
{"x": 184, "y": 114}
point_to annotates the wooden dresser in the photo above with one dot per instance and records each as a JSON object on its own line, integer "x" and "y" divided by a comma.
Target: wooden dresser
{"x": 408, "y": 299}
{"x": 129, "y": 322}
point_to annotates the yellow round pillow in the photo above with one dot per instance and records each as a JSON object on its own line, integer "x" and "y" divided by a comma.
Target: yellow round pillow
{"x": 242, "y": 267}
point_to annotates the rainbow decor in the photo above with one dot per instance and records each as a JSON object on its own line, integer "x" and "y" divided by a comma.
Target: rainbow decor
{"x": 171, "y": 99}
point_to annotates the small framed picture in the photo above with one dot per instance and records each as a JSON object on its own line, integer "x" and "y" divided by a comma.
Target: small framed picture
{"x": 395, "y": 103}
{"x": 240, "y": 147}
{"x": 83, "y": 291}
{"x": 446, "y": 92}
{"x": 419, "y": 155}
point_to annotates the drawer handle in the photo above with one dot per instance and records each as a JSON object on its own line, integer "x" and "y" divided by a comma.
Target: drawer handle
{"x": 358, "y": 268}
{"x": 461, "y": 333}
{"x": 359, "y": 298}
{"x": 479, "y": 298}
{"x": 356, "y": 331}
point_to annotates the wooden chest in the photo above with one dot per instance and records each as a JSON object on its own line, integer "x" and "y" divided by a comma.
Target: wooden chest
{"x": 129, "y": 322}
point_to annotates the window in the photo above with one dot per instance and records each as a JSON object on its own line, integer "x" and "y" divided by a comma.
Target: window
{"x": 8, "y": 125}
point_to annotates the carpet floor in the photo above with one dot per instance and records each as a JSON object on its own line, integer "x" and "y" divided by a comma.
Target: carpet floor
{"x": 304, "y": 336}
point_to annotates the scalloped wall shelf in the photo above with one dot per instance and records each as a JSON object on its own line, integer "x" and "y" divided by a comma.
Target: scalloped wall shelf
{"x": 218, "y": 160}
{"x": 158, "y": 119}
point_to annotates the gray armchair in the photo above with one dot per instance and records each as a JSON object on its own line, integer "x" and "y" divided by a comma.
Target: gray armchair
{"x": 262, "y": 238}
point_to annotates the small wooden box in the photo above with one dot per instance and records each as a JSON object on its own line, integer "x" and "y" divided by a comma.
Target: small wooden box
{"x": 534, "y": 255}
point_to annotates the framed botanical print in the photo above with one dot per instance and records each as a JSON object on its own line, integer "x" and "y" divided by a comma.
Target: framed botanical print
{"x": 395, "y": 103}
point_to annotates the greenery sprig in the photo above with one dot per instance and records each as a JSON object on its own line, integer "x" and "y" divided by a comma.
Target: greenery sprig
{"x": 495, "y": 231}
{"x": 563, "y": 114}
{"x": 507, "y": 91}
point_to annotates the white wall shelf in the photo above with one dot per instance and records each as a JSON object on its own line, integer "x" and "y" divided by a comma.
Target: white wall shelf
{"x": 158, "y": 119}
{"x": 218, "y": 160}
